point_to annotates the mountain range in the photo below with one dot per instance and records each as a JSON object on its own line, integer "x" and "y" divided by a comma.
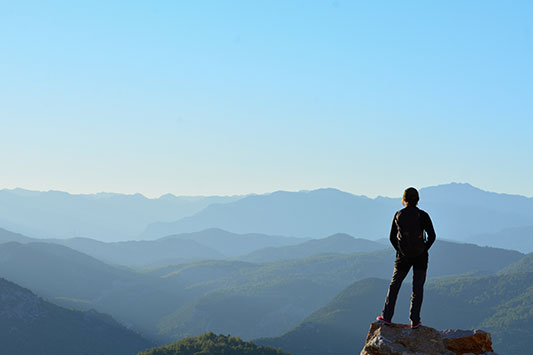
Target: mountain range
{"x": 251, "y": 299}
{"x": 207, "y": 244}
{"x": 459, "y": 211}
{"x": 102, "y": 216}
{"x": 302, "y": 270}
{"x": 517, "y": 238}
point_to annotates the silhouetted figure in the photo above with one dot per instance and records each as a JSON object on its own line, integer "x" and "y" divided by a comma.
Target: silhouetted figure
{"x": 408, "y": 237}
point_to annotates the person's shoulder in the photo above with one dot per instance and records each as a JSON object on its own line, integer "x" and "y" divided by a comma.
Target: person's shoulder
{"x": 396, "y": 215}
{"x": 401, "y": 212}
{"x": 423, "y": 213}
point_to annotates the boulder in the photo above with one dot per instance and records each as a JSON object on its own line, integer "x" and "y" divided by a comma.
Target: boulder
{"x": 396, "y": 339}
{"x": 467, "y": 341}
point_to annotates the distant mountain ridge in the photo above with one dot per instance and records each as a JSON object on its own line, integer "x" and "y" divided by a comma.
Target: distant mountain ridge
{"x": 301, "y": 214}
{"x": 180, "y": 248}
{"x": 8, "y": 236}
{"x": 458, "y": 211}
{"x": 339, "y": 243}
{"x": 102, "y": 216}
{"x": 235, "y": 244}
{"x": 213, "y": 244}
{"x": 517, "y": 238}
{"x": 39, "y": 265}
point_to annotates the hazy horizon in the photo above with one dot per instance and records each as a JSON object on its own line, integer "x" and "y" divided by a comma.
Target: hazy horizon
{"x": 253, "y": 193}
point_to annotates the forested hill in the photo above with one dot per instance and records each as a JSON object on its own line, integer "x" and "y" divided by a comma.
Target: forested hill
{"x": 210, "y": 343}
{"x": 30, "y": 325}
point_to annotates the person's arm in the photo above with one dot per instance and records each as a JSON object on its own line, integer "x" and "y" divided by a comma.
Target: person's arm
{"x": 393, "y": 237}
{"x": 428, "y": 227}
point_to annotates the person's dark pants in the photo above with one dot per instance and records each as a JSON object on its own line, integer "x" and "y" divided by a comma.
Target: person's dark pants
{"x": 401, "y": 269}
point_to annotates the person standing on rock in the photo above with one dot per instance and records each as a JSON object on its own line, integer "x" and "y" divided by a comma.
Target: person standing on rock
{"x": 412, "y": 234}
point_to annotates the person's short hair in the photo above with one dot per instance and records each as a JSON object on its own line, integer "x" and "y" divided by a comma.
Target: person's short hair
{"x": 410, "y": 196}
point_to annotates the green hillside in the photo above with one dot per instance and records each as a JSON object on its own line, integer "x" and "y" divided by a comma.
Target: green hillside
{"x": 258, "y": 300}
{"x": 338, "y": 270}
{"x": 339, "y": 327}
{"x": 30, "y": 325}
{"x": 524, "y": 264}
{"x": 261, "y": 299}
{"x": 73, "y": 279}
{"x": 213, "y": 344}
{"x": 230, "y": 297}
{"x": 498, "y": 304}
{"x": 263, "y": 309}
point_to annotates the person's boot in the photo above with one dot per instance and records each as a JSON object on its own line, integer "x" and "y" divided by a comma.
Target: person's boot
{"x": 383, "y": 320}
{"x": 416, "y": 326}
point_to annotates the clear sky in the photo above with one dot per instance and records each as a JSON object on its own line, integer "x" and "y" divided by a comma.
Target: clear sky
{"x": 230, "y": 97}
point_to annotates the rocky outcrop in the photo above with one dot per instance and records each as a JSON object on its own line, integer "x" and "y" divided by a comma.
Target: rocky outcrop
{"x": 395, "y": 339}
{"x": 467, "y": 341}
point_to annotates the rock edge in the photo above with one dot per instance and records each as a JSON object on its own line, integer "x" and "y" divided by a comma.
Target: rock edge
{"x": 396, "y": 339}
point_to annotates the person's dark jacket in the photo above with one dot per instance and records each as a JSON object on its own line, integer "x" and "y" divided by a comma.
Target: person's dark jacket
{"x": 426, "y": 226}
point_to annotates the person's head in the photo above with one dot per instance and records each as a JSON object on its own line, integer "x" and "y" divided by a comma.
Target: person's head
{"x": 410, "y": 197}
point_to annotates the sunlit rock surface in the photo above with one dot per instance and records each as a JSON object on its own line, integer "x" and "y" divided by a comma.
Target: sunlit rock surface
{"x": 385, "y": 339}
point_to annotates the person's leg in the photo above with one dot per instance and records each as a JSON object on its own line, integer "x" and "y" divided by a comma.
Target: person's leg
{"x": 419, "y": 278}
{"x": 401, "y": 269}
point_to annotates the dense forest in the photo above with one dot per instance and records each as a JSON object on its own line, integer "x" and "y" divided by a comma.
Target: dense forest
{"x": 31, "y": 325}
{"x": 212, "y": 344}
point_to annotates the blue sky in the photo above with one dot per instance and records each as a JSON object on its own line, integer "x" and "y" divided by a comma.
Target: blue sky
{"x": 231, "y": 97}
